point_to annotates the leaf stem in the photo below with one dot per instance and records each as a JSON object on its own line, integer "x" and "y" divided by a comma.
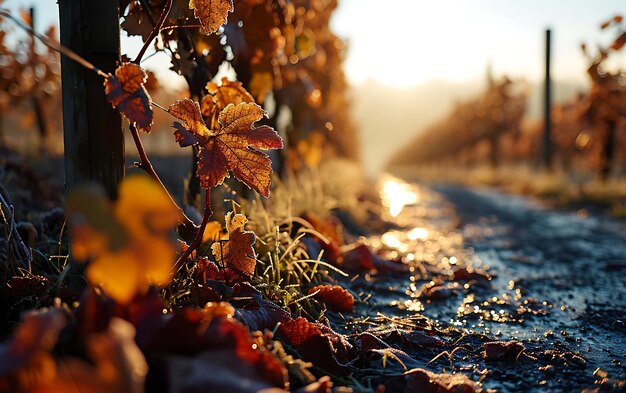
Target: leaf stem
{"x": 146, "y": 165}
{"x": 54, "y": 45}
{"x": 208, "y": 212}
{"x": 155, "y": 30}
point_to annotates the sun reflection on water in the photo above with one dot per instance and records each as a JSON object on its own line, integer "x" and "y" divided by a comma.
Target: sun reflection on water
{"x": 396, "y": 194}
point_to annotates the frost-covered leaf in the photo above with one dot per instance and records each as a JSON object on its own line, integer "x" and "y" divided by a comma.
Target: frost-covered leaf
{"x": 233, "y": 148}
{"x": 237, "y": 252}
{"x": 335, "y": 297}
{"x": 125, "y": 91}
{"x": 211, "y": 13}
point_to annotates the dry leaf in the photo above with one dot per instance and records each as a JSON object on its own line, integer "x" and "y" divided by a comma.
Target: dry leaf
{"x": 232, "y": 148}
{"x": 237, "y": 252}
{"x": 211, "y": 13}
{"x": 25, "y": 358}
{"x": 128, "y": 239}
{"x": 125, "y": 91}
{"x": 335, "y": 297}
{"x": 419, "y": 380}
{"x": 503, "y": 350}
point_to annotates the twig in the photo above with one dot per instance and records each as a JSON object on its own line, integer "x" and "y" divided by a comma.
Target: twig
{"x": 155, "y": 31}
{"x": 52, "y": 44}
{"x": 146, "y": 165}
{"x": 198, "y": 239}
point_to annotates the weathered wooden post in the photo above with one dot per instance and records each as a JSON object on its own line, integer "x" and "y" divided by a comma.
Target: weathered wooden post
{"x": 94, "y": 143}
{"x": 547, "y": 109}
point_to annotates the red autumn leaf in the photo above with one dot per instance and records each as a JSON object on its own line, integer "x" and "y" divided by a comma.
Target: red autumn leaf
{"x": 211, "y": 13}
{"x": 18, "y": 288}
{"x": 335, "y": 297}
{"x": 126, "y": 92}
{"x": 237, "y": 252}
{"x": 213, "y": 341}
{"x": 300, "y": 330}
{"x": 318, "y": 344}
{"x": 232, "y": 147}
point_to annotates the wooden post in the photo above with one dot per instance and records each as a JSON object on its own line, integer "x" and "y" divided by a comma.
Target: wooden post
{"x": 547, "y": 110}
{"x": 94, "y": 143}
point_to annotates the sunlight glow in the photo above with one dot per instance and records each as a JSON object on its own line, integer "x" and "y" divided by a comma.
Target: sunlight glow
{"x": 396, "y": 195}
{"x": 417, "y": 233}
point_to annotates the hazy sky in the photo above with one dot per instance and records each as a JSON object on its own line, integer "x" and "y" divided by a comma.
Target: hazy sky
{"x": 408, "y": 42}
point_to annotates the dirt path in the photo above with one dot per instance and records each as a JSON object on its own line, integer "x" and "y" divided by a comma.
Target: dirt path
{"x": 574, "y": 261}
{"x": 558, "y": 289}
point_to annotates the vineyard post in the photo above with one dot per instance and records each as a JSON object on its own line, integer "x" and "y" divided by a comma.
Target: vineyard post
{"x": 547, "y": 107}
{"x": 94, "y": 143}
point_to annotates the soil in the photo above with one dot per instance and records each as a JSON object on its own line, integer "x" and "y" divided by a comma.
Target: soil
{"x": 551, "y": 318}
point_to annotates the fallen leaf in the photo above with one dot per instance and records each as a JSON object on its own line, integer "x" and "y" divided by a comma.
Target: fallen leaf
{"x": 256, "y": 312}
{"x": 317, "y": 344}
{"x": 503, "y": 350}
{"x": 126, "y": 92}
{"x": 116, "y": 364}
{"x": 335, "y": 297}
{"x": 231, "y": 148}
{"x": 128, "y": 239}
{"x": 210, "y": 335}
{"x": 25, "y": 359}
{"x": 237, "y": 252}
{"x": 211, "y": 13}
{"x": 422, "y": 381}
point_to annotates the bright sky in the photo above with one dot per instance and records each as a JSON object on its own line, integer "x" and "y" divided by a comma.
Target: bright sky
{"x": 408, "y": 42}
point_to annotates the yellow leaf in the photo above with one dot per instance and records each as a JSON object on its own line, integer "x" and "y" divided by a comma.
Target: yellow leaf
{"x": 212, "y": 232}
{"x": 128, "y": 239}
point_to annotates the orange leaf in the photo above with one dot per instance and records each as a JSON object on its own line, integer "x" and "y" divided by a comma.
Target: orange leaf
{"x": 25, "y": 358}
{"x": 211, "y": 13}
{"x": 128, "y": 240}
{"x": 335, "y": 297}
{"x": 212, "y": 232}
{"x": 232, "y": 148}
{"x": 236, "y": 252}
{"x": 125, "y": 91}
{"x": 299, "y": 330}
{"x": 229, "y": 92}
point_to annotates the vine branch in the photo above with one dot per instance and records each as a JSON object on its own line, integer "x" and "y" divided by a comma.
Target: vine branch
{"x": 198, "y": 239}
{"x": 155, "y": 31}
{"x": 146, "y": 165}
{"x": 49, "y": 42}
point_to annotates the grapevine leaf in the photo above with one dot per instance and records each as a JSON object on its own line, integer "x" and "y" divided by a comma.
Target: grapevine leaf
{"x": 211, "y": 13}
{"x": 232, "y": 148}
{"x": 237, "y": 252}
{"x": 126, "y": 92}
{"x": 128, "y": 240}
{"x": 136, "y": 22}
{"x": 229, "y": 92}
